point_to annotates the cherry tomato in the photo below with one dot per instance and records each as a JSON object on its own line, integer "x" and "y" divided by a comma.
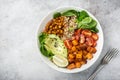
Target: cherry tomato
{"x": 68, "y": 44}
{"x": 73, "y": 37}
{"x": 77, "y": 32}
{"x": 87, "y": 33}
{"x": 94, "y": 44}
{"x": 77, "y": 37}
{"x": 89, "y": 41}
{"x": 95, "y": 36}
{"x": 82, "y": 38}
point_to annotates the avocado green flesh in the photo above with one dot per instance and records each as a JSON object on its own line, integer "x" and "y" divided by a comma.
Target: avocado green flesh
{"x": 55, "y": 45}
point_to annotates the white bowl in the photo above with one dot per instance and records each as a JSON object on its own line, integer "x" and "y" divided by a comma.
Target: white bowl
{"x": 98, "y": 47}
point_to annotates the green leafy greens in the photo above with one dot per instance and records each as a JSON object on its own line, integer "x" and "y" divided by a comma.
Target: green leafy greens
{"x": 44, "y": 51}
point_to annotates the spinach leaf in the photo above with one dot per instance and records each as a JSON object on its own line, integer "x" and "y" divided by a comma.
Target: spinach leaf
{"x": 43, "y": 50}
{"x": 86, "y": 25}
{"x": 70, "y": 13}
{"x": 57, "y": 14}
{"x": 42, "y": 37}
{"x": 82, "y": 15}
{"x": 86, "y": 20}
{"x": 95, "y": 30}
{"x": 92, "y": 24}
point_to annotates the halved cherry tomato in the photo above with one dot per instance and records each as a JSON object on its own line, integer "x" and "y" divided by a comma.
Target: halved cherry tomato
{"x": 89, "y": 41}
{"x": 73, "y": 37}
{"x": 77, "y": 37}
{"x": 87, "y": 33}
{"x": 94, "y": 44}
{"x": 95, "y": 36}
{"x": 77, "y": 32}
{"x": 68, "y": 44}
{"x": 82, "y": 38}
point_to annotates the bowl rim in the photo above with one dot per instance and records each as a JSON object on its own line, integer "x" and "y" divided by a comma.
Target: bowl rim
{"x": 77, "y": 8}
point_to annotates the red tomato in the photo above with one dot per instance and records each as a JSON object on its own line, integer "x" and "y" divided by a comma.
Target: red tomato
{"x": 77, "y": 32}
{"x": 77, "y": 37}
{"x": 73, "y": 37}
{"x": 95, "y": 36}
{"x": 82, "y": 38}
{"x": 68, "y": 44}
{"x": 89, "y": 41}
{"x": 94, "y": 44}
{"x": 87, "y": 33}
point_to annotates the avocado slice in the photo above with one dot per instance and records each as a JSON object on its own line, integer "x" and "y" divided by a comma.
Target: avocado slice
{"x": 55, "y": 45}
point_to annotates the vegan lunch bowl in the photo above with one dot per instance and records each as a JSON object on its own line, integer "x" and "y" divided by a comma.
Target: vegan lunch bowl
{"x": 70, "y": 39}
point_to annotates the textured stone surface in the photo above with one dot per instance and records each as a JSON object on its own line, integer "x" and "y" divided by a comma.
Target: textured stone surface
{"x": 19, "y": 21}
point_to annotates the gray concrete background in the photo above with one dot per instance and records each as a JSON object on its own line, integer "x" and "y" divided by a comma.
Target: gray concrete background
{"x": 19, "y": 21}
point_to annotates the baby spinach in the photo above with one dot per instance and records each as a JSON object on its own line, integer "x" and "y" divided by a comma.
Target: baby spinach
{"x": 69, "y": 13}
{"x": 86, "y": 20}
{"x": 57, "y": 14}
{"x": 95, "y": 30}
{"x": 43, "y": 50}
{"x": 82, "y": 14}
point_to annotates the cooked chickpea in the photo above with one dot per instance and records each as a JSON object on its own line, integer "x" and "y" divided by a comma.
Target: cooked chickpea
{"x": 61, "y": 31}
{"x": 50, "y": 26}
{"x": 58, "y": 31}
{"x": 56, "y": 27}
{"x": 59, "y": 27}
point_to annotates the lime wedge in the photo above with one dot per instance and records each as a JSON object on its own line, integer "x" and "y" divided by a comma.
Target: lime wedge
{"x": 60, "y": 60}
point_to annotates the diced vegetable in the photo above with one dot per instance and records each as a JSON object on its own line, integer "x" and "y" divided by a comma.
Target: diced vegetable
{"x": 68, "y": 44}
{"x": 71, "y": 66}
{"x": 78, "y": 64}
{"x": 75, "y": 42}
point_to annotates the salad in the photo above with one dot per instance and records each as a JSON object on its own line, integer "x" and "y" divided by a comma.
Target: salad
{"x": 69, "y": 39}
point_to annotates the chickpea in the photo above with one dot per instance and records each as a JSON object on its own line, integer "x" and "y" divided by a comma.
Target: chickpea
{"x": 56, "y": 27}
{"x": 49, "y": 32}
{"x": 58, "y": 31}
{"x": 50, "y": 26}
{"x": 53, "y": 32}
{"x": 59, "y": 27}
{"x": 61, "y": 31}
{"x": 59, "y": 21}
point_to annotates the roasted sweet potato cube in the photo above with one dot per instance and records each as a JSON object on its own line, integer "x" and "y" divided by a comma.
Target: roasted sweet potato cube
{"x": 94, "y": 50}
{"x": 89, "y": 56}
{"x": 83, "y": 62}
{"x": 79, "y": 56}
{"x": 71, "y": 66}
{"x": 75, "y": 42}
{"x": 71, "y": 60}
{"x": 71, "y": 56}
{"x": 84, "y": 52}
{"x": 78, "y": 64}
{"x": 73, "y": 48}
